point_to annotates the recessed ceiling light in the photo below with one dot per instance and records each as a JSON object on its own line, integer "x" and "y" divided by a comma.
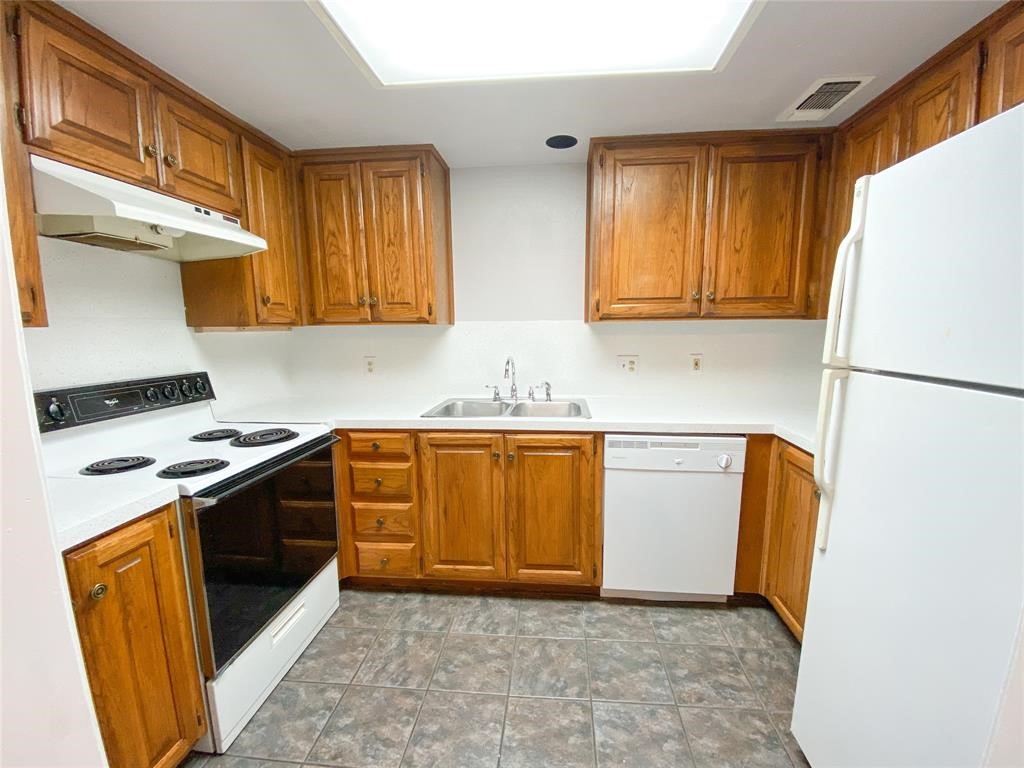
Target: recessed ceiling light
{"x": 403, "y": 43}
{"x": 561, "y": 141}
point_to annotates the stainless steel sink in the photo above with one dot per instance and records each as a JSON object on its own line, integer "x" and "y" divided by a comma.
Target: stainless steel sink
{"x": 468, "y": 409}
{"x": 555, "y": 409}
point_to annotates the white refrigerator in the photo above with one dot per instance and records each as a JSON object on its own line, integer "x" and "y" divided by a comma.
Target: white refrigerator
{"x": 916, "y": 587}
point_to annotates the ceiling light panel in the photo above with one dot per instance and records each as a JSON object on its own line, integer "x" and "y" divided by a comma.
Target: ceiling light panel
{"x": 405, "y": 42}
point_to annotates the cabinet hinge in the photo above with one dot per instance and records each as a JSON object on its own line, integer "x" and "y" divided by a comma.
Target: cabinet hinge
{"x": 982, "y": 57}
{"x": 20, "y": 117}
{"x": 430, "y": 309}
{"x": 14, "y": 24}
{"x": 199, "y": 718}
{"x": 170, "y": 528}
{"x": 593, "y": 571}
{"x": 597, "y": 305}
{"x": 423, "y": 170}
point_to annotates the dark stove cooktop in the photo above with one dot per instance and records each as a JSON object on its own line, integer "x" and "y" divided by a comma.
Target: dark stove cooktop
{"x": 192, "y": 468}
{"x": 116, "y": 465}
{"x": 264, "y": 437}
{"x": 212, "y": 435}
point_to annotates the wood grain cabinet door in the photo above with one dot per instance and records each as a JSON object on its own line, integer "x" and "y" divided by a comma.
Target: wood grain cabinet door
{"x": 552, "y": 518}
{"x": 463, "y": 505}
{"x": 396, "y": 256}
{"x": 200, "y": 157}
{"x": 131, "y": 607}
{"x": 93, "y": 109}
{"x": 760, "y": 229}
{"x": 651, "y": 232}
{"x": 334, "y": 240}
{"x": 939, "y": 105}
{"x": 1002, "y": 83}
{"x": 791, "y": 521}
{"x": 268, "y": 203}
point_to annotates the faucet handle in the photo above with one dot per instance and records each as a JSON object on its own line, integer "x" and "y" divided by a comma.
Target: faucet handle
{"x": 546, "y": 386}
{"x": 497, "y": 392}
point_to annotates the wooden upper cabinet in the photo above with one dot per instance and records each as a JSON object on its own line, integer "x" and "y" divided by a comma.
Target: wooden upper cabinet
{"x": 648, "y": 213}
{"x": 760, "y": 228}
{"x": 1002, "y": 82}
{"x": 131, "y": 607}
{"x": 463, "y": 505}
{"x": 552, "y": 526}
{"x": 87, "y": 106}
{"x": 199, "y": 156}
{"x": 790, "y": 524}
{"x": 940, "y": 104}
{"x": 269, "y": 207}
{"x": 334, "y": 240}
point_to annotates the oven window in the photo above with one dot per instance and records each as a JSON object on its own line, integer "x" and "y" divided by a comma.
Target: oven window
{"x": 262, "y": 545}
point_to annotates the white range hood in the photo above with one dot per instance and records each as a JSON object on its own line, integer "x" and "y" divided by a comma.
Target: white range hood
{"x": 85, "y": 207}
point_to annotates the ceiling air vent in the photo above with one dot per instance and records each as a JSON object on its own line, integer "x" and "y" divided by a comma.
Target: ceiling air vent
{"x": 823, "y": 97}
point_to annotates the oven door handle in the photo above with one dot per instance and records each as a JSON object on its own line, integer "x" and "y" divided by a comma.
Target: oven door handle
{"x": 215, "y": 493}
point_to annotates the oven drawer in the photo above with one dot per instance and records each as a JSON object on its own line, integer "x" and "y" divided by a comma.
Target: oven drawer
{"x": 308, "y": 520}
{"x": 381, "y": 479}
{"x": 380, "y": 443}
{"x": 379, "y": 559}
{"x": 305, "y": 556}
{"x": 307, "y": 480}
{"x": 386, "y": 521}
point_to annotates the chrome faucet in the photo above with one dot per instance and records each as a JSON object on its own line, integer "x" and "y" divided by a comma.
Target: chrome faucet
{"x": 510, "y": 373}
{"x": 546, "y": 386}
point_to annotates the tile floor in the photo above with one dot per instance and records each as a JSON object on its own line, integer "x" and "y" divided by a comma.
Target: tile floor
{"x": 407, "y": 680}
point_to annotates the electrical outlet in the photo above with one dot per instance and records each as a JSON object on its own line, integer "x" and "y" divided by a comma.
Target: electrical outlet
{"x": 696, "y": 362}
{"x": 369, "y": 365}
{"x": 628, "y": 363}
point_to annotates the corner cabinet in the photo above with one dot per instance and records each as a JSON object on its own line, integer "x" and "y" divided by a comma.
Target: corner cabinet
{"x": 1002, "y": 82}
{"x": 131, "y": 607}
{"x": 377, "y": 233}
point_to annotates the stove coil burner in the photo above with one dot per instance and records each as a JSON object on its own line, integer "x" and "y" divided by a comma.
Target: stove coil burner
{"x": 192, "y": 468}
{"x": 116, "y": 465}
{"x": 264, "y": 437}
{"x": 211, "y": 435}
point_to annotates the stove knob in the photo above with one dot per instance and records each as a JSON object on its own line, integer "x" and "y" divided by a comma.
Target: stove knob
{"x": 725, "y": 461}
{"x": 152, "y": 395}
{"x": 170, "y": 392}
{"x": 56, "y": 410}
{"x": 187, "y": 389}
{"x": 201, "y": 387}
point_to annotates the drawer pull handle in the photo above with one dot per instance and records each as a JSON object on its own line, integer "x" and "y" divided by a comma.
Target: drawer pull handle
{"x": 380, "y": 522}
{"x": 375, "y": 445}
{"x": 384, "y": 561}
{"x": 378, "y": 481}
{"x": 99, "y": 591}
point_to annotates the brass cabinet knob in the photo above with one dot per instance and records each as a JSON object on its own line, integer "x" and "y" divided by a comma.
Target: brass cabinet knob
{"x": 171, "y": 160}
{"x": 378, "y": 481}
{"x": 151, "y": 150}
{"x": 384, "y": 561}
{"x": 695, "y": 295}
{"x": 375, "y": 445}
{"x": 362, "y": 301}
{"x": 711, "y": 295}
{"x": 511, "y": 456}
{"x": 266, "y": 301}
{"x": 496, "y": 455}
{"x": 98, "y": 592}
{"x": 380, "y": 522}
{"x": 373, "y": 301}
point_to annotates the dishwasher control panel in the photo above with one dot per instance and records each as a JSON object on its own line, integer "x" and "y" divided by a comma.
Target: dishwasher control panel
{"x": 676, "y": 453}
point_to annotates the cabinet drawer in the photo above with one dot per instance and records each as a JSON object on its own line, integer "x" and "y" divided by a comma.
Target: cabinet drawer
{"x": 304, "y": 556}
{"x": 390, "y": 521}
{"x": 308, "y": 520}
{"x": 381, "y": 443}
{"x": 381, "y": 479}
{"x": 376, "y": 559}
{"x": 306, "y": 480}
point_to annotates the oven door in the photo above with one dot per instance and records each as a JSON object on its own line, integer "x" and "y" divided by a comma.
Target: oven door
{"x": 254, "y": 541}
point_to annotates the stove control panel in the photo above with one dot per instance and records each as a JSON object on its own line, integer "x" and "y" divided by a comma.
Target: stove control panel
{"x": 75, "y": 406}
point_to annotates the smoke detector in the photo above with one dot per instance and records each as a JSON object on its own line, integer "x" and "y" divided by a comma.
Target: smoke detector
{"x": 823, "y": 97}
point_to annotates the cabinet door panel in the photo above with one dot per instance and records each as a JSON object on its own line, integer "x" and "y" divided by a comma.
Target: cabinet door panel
{"x": 269, "y": 207}
{"x": 137, "y": 641}
{"x": 200, "y": 158}
{"x": 760, "y": 230}
{"x": 1002, "y": 84}
{"x": 651, "y": 235}
{"x": 463, "y": 506}
{"x": 337, "y": 262}
{"x": 791, "y": 523}
{"x": 940, "y": 105}
{"x": 85, "y": 105}
{"x": 395, "y": 253}
{"x": 550, "y": 482}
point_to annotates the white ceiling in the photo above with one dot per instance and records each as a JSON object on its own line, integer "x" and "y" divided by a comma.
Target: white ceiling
{"x": 275, "y": 65}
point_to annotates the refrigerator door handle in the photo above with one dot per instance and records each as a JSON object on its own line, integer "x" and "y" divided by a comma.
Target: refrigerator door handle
{"x": 825, "y": 441}
{"x": 837, "y": 296}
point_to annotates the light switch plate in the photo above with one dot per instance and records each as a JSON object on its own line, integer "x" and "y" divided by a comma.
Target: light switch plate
{"x": 628, "y": 363}
{"x": 696, "y": 362}
{"x": 369, "y": 365}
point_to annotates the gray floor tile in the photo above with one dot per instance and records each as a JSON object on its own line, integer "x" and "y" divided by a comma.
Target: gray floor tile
{"x": 334, "y": 655}
{"x": 551, "y": 618}
{"x": 476, "y": 663}
{"x": 687, "y": 625}
{"x": 424, "y": 612}
{"x": 547, "y": 667}
{"x": 615, "y": 621}
{"x": 197, "y": 760}
{"x": 457, "y": 730}
{"x": 639, "y": 736}
{"x": 729, "y": 738}
{"x": 287, "y": 724}
{"x": 621, "y": 671}
{"x": 369, "y": 729}
{"x": 231, "y": 761}
{"x": 486, "y": 616}
{"x": 755, "y": 627}
{"x": 364, "y": 609}
{"x": 772, "y": 672}
{"x": 796, "y": 755}
{"x": 548, "y": 733}
{"x": 705, "y": 675}
{"x": 401, "y": 659}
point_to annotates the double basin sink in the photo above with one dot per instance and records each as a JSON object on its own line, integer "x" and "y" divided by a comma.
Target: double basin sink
{"x": 485, "y": 409}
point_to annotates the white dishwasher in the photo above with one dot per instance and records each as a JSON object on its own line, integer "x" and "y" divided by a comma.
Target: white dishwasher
{"x": 671, "y": 515}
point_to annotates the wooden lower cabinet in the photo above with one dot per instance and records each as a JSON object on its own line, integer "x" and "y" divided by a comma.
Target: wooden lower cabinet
{"x": 790, "y": 523}
{"x": 131, "y": 606}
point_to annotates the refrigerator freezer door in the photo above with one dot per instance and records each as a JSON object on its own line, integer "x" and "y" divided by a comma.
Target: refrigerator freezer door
{"x": 934, "y": 286}
{"x": 913, "y": 607}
